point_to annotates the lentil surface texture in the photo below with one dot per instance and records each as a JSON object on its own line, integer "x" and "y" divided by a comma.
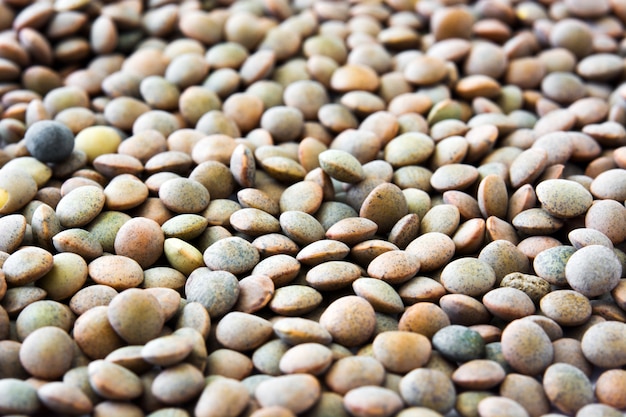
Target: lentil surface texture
{"x": 248, "y": 208}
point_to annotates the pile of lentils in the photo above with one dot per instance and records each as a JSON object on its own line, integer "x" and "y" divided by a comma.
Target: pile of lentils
{"x": 279, "y": 208}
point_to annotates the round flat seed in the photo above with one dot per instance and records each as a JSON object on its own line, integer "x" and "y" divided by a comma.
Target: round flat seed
{"x": 96, "y": 141}
{"x": 274, "y": 244}
{"x": 609, "y": 185}
{"x": 492, "y": 196}
{"x": 566, "y": 307}
{"x": 528, "y": 166}
{"x": 429, "y": 388}
{"x": 105, "y": 227}
{"x": 536, "y": 221}
{"x": 607, "y": 216}
{"x": 80, "y": 206}
{"x": 295, "y": 330}
{"x": 254, "y": 222}
{"x": 178, "y": 384}
{"x": 504, "y": 257}
{"x": 479, "y": 374}
{"x": 301, "y": 227}
{"x": 469, "y": 236}
{"x": 223, "y": 396}
{"x": 27, "y": 265}
{"x": 140, "y": 239}
{"x": 527, "y": 391}
{"x": 593, "y": 270}
{"x": 433, "y": 249}
{"x": 183, "y": 195}
{"x": 391, "y": 350}
{"x": 425, "y": 318}
{"x": 363, "y": 399}
{"x": 231, "y": 254}
{"x": 382, "y": 296}
{"x": 49, "y": 141}
{"x": 352, "y": 230}
{"x": 125, "y": 307}
{"x": 550, "y": 264}
{"x": 469, "y": 276}
{"x": 283, "y": 169}
{"x": 508, "y": 303}
{"x": 39, "y": 171}
{"x": 166, "y": 350}
{"x": 323, "y": 251}
{"x": 459, "y": 343}
{"x": 394, "y": 267}
{"x": 492, "y": 406}
{"x": 165, "y": 277}
{"x": 563, "y": 198}
{"x": 332, "y": 275}
{"x": 125, "y": 193}
{"x": 305, "y": 196}
{"x": 43, "y": 313}
{"x": 341, "y": 166}
{"x": 66, "y": 277}
{"x": 350, "y": 320}
{"x": 229, "y": 363}
{"x": 354, "y": 371}
{"x": 363, "y": 253}
{"x": 306, "y": 358}
{"x": 442, "y": 218}
{"x": 281, "y": 268}
{"x": 608, "y": 387}
{"x": 13, "y": 228}
{"x": 297, "y": 392}
{"x": 567, "y": 387}
{"x": 242, "y": 166}
{"x": 255, "y": 198}
{"x": 116, "y": 271}
{"x": 421, "y": 288}
{"x": 62, "y": 397}
{"x": 114, "y": 382}
{"x": 43, "y": 353}
{"x": 91, "y": 296}
{"x": 453, "y": 177}
{"x": 181, "y": 255}
{"x": 384, "y": 205}
{"x": 294, "y": 300}
{"x": 583, "y": 236}
{"x": 412, "y": 148}
{"x": 77, "y": 241}
{"x": 243, "y": 332}
{"x": 425, "y": 70}
{"x": 600, "y": 344}
{"x": 534, "y": 286}
{"x": 255, "y": 292}
{"x": 185, "y": 226}
{"x": 532, "y": 356}
{"x": 217, "y": 291}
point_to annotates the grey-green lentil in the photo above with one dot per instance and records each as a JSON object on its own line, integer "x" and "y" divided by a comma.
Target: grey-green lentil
{"x": 251, "y": 95}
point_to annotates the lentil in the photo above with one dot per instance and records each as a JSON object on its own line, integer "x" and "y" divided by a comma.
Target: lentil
{"x": 239, "y": 162}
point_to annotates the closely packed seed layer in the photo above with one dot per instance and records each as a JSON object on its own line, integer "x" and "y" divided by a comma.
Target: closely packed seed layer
{"x": 407, "y": 208}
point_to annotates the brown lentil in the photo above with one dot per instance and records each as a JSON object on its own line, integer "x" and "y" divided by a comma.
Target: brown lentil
{"x": 482, "y": 131}
{"x": 567, "y": 387}
{"x": 531, "y": 356}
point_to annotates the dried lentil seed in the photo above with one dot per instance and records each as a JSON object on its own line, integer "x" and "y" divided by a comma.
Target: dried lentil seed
{"x": 374, "y": 44}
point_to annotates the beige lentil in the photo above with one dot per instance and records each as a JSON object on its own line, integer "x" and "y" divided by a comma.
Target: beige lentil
{"x": 579, "y": 391}
{"x": 251, "y": 96}
{"x": 532, "y": 356}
